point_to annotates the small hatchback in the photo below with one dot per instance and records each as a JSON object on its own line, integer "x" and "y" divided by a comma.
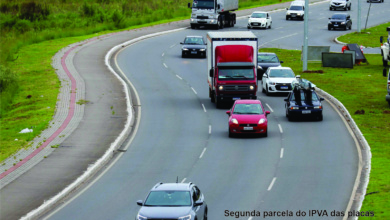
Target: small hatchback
{"x": 248, "y": 116}
{"x": 260, "y": 19}
{"x": 181, "y": 201}
{"x": 193, "y": 46}
{"x": 340, "y": 20}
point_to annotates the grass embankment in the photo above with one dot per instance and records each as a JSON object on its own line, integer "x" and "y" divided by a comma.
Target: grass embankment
{"x": 368, "y": 38}
{"x": 360, "y": 88}
{"x": 33, "y": 31}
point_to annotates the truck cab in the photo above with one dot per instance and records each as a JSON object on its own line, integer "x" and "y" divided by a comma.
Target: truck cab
{"x": 385, "y": 48}
{"x": 232, "y": 66}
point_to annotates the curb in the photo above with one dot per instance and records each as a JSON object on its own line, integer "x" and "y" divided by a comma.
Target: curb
{"x": 363, "y": 175}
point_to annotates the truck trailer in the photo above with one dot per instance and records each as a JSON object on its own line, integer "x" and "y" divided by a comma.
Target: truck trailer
{"x": 231, "y": 66}
{"x": 213, "y": 13}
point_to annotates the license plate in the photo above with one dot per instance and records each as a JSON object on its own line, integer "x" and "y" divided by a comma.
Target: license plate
{"x": 306, "y": 112}
{"x": 293, "y": 15}
{"x": 284, "y": 87}
{"x": 255, "y": 23}
{"x": 193, "y": 52}
{"x": 336, "y": 25}
{"x": 248, "y": 128}
{"x": 236, "y": 98}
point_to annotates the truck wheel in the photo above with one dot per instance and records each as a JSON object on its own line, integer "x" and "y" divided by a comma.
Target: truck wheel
{"x": 217, "y": 102}
{"x": 192, "y": 26}
{"x": 212, "y": 97}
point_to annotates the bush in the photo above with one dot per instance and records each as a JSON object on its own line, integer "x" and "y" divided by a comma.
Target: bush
{"x": 8, "y": 88}
{"x": 33, "y": 11}
{"x": 22, "y": 26}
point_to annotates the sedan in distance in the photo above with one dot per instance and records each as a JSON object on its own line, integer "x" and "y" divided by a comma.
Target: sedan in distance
{"x": 266, "y": 60}
{"x": 341, "y": 20}
{"x": 193, "y": 46}
{"x": 248, "y": 116}
{"x": 181, "y": 201}
{"x": 260, "y": 19}
{"x": 277, "y": 80}
{"x": 306, "y": 106}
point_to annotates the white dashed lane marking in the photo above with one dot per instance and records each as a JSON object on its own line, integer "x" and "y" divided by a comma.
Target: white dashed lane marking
{"x": 280, "y": 128}
{"x": 204, "y": 108}
{"x": 269, "y": 107}
{"x": 179, "y": 77}
{"x": 281, "y": 152}
{"x": 183, "y": 180}
{"x": 201, "y": 155}
{"x": 194, "y": 90}
{"x": 272, "y": 184}
{"x": 165, "y": 65}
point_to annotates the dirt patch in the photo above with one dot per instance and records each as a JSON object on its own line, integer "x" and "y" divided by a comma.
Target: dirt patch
{"x": 360, "y": 112}
{"x": 313, "y": 71}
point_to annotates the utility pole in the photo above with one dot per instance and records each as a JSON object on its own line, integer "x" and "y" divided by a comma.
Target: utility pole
{"x": 359, "y": 15}
{"x": 305, "y": 35}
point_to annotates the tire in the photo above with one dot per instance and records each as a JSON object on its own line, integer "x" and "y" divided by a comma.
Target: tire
{"x": 266, "y": 90}
{"x": 249, "y": 27}
{"x": 270, "y": 25}
{"x": 230, "y": 133}
{"x": 182, "y": 55}
{"x": 205, "y": 214}
{"x": 217, "y": 102}
{"x": 193, "y": 26}
{"x": 330, "y": 8}
{"x": 384, "y": 61}
{"x": 329, "y": 28}
{"x": 290, "y": 118}
{"x": 345, "y": 28}
{"x": 320, "y": 117}
{"x": 266, "y": 133}
{"x": 212, "y": 97}
{"x": 345, "y": 8}
{"x": 350, "y": 27}
{"x": 286, "y": 18}
{"x": 349, "y": 8}
{"x": 262, "y": 89}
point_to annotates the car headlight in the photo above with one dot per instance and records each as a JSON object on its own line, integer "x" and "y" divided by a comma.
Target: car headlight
{"x": 293, "y": 108}
{"x": 343, "y": 22}
{"x": 251, "y": 87}
{"x": 183, "y": 48}
{"x": 299, "y": 14}
{"x": 140, "y": 217}
{"x": 202, "y": 49}
{"x": 234, "y": 121}
{"x": 317, "y": 107}
{"x": 220, "y": 87}
{"x": 329, "y": 22}
{"x": 193, "y": 15}
{"x": 187, "y": 217}
{"x": 212, "y": 21}
{"x": 192, "y": 19}
{"x": 272, "y": 83}
{"x": 261, "y": 121}
{"x": 288, "y": 13}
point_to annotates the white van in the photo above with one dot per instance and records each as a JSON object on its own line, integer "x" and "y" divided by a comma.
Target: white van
{"x": 296, "y": 10}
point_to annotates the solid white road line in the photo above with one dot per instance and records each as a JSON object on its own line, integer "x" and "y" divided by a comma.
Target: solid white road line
{"x": 179, "y": 77}
{"x": 209, "y": 129}
{"x": 165, "y": 65}
{"x": 172, "y": 46}
{"x": 183, "y": 180}
{"x": 272, "y": 183}
{"x": 201, "y": 155}
{"x": 281, "y": 152}
{"x": 280, "y": 128}
{"x": 269, "y": 107}
{"x": 204, "y": 108}
{"x": 194, "y": 90}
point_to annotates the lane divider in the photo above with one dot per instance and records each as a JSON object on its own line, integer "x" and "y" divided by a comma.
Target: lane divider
{"x": 272, "y": 184}
{"x": 201, "y": 155}
{"x": 280, "y": 128}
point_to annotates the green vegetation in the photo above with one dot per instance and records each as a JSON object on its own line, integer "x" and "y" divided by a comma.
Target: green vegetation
{"x": 368, "y": 38}
{"x": 33, "y": 31}
{"x": 360, "y": 88}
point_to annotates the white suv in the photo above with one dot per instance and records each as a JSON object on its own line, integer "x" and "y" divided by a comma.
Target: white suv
{"x": 340, "y": 4}
{"x": 277, "y": 79}
{"x": 259, "y": 19}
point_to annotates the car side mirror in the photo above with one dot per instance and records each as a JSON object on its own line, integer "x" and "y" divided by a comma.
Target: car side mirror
{"x": 140, "y": 203}
{"x": 198, "y": 203}
{"x": 329, "y": 18}
{"x": 286, "y": 100}
{"x": 267, "y": 112}
{"x": 211, "y": 72}
{"x": 322, "y": 99}
{"x": 249, "y": 16}
{"x": 381, "y": 39}
{"x": 265, "y": 75}
{"x": 286, "y": 8}
{"x": 181, "y": 42}
{"x": 281, "y": 62}
{"x": 228, "y": 112}
{"x": 219, "y": 6}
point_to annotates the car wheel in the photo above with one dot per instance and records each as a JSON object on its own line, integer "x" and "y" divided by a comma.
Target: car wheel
{"x": 350, "y": 27}
{"x": 320, "y": 117}
{"x": 345, "y": 8}
{"x": 303, "y": 17}
{"x": 329, "y": 28}
{"x": 349, "y": 8}
{"x": 249, "y": 27}
{"x": 262, "y": 89}
{"x": 266, "y": 90}
{"x": 286, "y": 18}
{"x": 266, "y": 133}
{"x": 230, "y": 133}
{"x": 384, "y": 61}
{"x": 345, "y": 28}
{"x": 330, "y": 8}
{"x": 182, "y": 55}
{"x": 192, "y": 26}
{"x": 290, "y": 118}
{"x": 205, "y": 214}
{"x": 270, "y": 25}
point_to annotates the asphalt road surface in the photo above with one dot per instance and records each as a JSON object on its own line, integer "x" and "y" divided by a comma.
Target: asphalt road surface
{"x": 305, "y": 165}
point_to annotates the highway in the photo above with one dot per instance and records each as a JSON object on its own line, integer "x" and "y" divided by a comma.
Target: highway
{"x": 305, "y": 165}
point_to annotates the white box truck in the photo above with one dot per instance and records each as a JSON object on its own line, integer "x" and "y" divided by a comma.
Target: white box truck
{"x": 213, "y": 13}
{"x": 231, "y": 66}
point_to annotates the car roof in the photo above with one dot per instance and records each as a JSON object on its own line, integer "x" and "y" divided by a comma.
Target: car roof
{"x": 247, "y": 101}
{"x": 195, "y": 36}
{"x": 279, "y": 67}
{"x": 259, "y": 12}
{"x": 266, "y": 53}
{"x": 172, "y": 186}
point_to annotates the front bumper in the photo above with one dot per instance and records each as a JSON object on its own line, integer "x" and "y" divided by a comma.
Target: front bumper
{"x": 257, "y": 24}
{"x": 194, "y": 52}
{"x": 208, "y": 21}
{"x": 338, "y": 6}
{"x": 248, "y": 128}
{"x": 294, "y": 15}
{"x": 337, "y": 25}
{"x": 302, "y": 113}
{"x": 230, "y": 97}
{"x": 279, "y": 87}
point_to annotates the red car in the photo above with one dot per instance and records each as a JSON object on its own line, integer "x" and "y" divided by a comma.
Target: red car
{"x": 248, "y": 116}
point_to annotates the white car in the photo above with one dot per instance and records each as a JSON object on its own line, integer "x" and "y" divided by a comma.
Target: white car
{"x": 277, "y": 79}
{"x": 296, "y": 10}
{"x": 340, "y": 4}
{"x": 259, "y": 19}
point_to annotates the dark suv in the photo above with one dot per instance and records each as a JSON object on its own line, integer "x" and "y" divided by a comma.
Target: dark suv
{"x": 340, "y": 20}
{"x": 173, "y": 201}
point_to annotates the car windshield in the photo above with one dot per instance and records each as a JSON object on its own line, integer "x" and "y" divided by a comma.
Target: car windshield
{"x": 193, "y": 40}
{"x": 258, "y": 15}
{"x": 338, "y": 17}
{"x": 248, "y": 109}
{"x": 303, "y": 96}
{"x": 236, "y": 74}
{"x": 296, "y": 8}
{"x": 281, "y": 73}
{"x": 168, "y": 198}
{"x": 203, "y": 4}
{"x": 267, "y": 58}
